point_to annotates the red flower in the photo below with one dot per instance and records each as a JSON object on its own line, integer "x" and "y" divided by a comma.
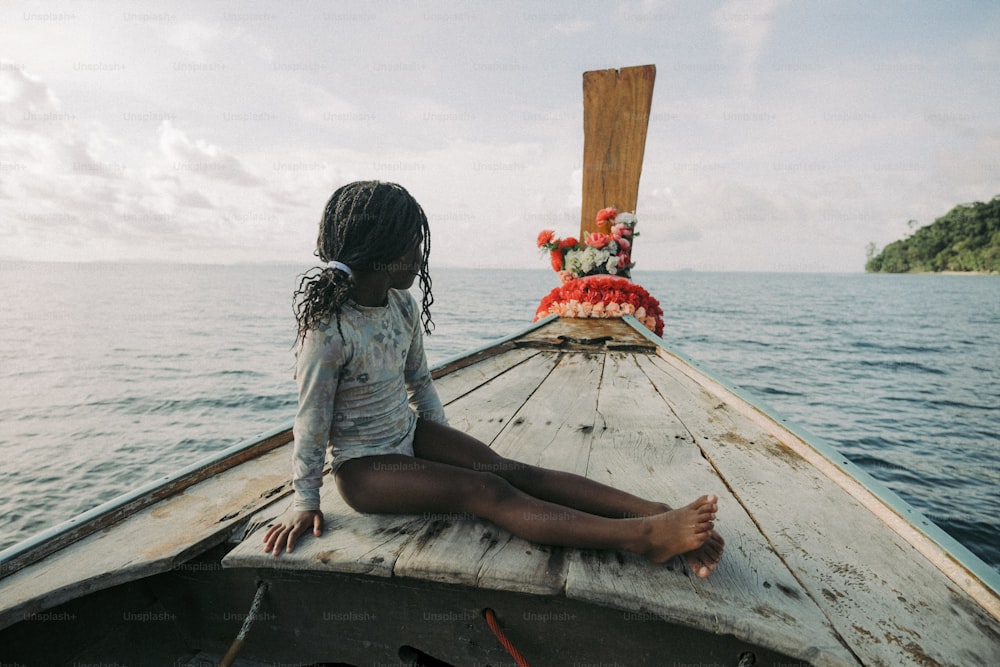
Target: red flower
{"x": 568, "y": 243}
{"x": 557, "y": 260}
{"x": 611, "y": 292}
{"x": 606, "y": 214}
{"x": 597, "y": 239}
{"x": 545, "y": 237}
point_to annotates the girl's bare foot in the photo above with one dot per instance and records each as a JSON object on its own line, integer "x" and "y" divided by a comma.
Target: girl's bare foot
{"x": 679, "y": 531}
{"x": 703, "y": 560}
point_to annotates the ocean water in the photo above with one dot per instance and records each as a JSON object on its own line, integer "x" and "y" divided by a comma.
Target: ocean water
{"x": 114, "y": 375}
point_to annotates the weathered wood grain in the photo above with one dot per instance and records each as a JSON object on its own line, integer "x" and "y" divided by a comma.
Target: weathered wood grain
{"x": 890, "y": 604}
{"x": 468, "y": 378}
{"x": 616, "y": 106}
{"x": 108, "y": 514}
{"x": 484, "y": 412}
{"x": 351, "y": 543}
{"x": 552, "y": 429}
{"x": 641, "y": 447}
{"x": 581, "y": 335}
{"x": 154, "y": 539}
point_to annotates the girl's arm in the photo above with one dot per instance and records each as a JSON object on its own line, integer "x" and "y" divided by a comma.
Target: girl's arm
{"x": 317, "y": 373}
{"x": 423, "y": 396}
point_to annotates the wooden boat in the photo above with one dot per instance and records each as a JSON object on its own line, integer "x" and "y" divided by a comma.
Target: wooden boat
{"x": 823, "y": 566}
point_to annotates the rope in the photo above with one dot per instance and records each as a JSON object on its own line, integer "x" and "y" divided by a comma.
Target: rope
{"x": 258, "y": 598}
{"x": 491, "y": 620}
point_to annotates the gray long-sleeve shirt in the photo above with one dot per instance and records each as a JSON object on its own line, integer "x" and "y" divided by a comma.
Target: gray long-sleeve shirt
{"x": 361, "y": 393}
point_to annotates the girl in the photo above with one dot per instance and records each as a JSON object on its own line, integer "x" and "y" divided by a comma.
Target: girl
{"x": 361, "y": 366}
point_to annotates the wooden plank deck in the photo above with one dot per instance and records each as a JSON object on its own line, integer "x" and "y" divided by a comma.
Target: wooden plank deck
{"x": 891, "y": 604}
{"x": 809, "y": 569}
{"x": 646, "y": 449}
{"x": 154, "y": 539}
{"x": 553, "y": 404}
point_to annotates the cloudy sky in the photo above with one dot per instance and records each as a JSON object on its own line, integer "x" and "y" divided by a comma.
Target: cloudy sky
{"x": 784, "y": 136}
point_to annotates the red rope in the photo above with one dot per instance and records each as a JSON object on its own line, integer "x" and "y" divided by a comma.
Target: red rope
{"x": 491, "y": 620}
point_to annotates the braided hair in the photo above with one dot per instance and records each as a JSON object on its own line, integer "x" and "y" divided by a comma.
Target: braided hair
{"x": 366, "y": 225}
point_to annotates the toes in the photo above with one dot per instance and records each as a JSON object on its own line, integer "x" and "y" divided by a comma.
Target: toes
{"x": 703, "y": 501}
{"x": 704, "y": 526}
{"x": 714, "y": 543}
{"x": 699, "y": 567}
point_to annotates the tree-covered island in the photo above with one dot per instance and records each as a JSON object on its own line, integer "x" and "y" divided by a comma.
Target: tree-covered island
{"x": 966, "y": 239}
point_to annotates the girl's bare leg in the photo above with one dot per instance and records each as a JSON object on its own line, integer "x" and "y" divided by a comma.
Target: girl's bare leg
{"x": 444, "y": 444}
{"x": 395, "y": 484}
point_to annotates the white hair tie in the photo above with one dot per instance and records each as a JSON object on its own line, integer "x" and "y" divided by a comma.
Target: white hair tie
{"x": 343, "y": 267}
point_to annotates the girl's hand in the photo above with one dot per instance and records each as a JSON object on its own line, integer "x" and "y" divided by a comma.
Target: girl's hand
{"x": 289, "y": 528}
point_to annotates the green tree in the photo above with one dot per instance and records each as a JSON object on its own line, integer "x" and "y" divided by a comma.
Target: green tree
{"x": 967, "y": 238}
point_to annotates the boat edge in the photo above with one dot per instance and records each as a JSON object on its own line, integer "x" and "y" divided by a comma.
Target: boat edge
{"x": 956, "y": 551}
{"x": 454, "y": 362}
{"x": 32, "y": 549}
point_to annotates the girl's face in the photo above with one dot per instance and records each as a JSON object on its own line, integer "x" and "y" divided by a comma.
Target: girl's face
{"x": 406, "y": 269}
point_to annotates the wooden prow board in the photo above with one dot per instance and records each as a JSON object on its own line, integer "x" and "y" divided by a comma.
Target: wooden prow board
{"x": 616, "y": 106}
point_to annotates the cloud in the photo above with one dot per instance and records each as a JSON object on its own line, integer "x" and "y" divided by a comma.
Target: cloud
{"x": 573, "y": 26}
{"x": 772, "y": 127}
{"x": 193, "y": 38}
{"x": 745, "y": 26}
{"x": 202, "y": 159}
{"x": 73, "y": 189}
{"x": 22, "y": 93}
{"x": 321, "y": 107}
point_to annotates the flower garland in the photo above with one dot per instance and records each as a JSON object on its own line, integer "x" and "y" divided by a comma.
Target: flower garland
{"x": 596, "y": 274}
{"x": 603, "y": 297}
{"x": 600, "y": 253}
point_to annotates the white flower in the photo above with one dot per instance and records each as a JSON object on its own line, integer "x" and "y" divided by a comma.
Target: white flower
{"x": 592, "y": 258}
{"x": 574, "y": 262}
{"x": 626, "y": 219}
{"x": 589, "y": 260}
{"x": 612, "y": 265}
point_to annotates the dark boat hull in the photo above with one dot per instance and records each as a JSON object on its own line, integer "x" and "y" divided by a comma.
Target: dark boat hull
{"x": 190, "y": 615}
